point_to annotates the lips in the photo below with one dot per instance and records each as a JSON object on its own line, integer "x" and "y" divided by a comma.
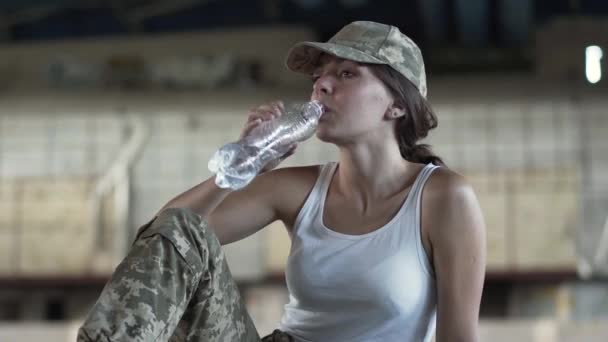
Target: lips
{"x": 326, "y": 108}
{"x": 326, "y": 116}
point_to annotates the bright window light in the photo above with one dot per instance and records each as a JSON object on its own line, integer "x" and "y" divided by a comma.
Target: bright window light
{"x": 593, "y": 65}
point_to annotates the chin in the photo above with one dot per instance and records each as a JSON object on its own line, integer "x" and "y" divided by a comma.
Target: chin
{"x": 328, "y": 137}
{"x": 324, "y": 135}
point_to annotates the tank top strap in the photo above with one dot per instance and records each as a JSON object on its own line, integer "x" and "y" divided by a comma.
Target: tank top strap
{"x": 324, "y": 181}
{"x": 421, "y": 179}
{"x": 417, "y": 207}
{"x": 317, "y": 195}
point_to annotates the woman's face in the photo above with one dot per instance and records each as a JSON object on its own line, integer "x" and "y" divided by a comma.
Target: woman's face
{"x": 355, "y": 100}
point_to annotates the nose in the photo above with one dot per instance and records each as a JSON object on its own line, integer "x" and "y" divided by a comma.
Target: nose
{"x": 322, "y": 87}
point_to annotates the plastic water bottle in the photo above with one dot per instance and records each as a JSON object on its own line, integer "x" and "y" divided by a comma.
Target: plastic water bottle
{"x": 236, "y": 164}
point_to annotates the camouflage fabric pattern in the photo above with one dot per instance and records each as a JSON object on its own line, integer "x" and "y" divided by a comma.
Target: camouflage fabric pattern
{"x": 174, "y": 285}
{"x": 365, "y": 42}
{"x": 278, "y": 336}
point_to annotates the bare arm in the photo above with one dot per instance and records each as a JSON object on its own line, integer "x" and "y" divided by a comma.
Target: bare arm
{"x": 233, "y": 215}
{"x": 457, "y": 236}
{"x": 202, "y": 199}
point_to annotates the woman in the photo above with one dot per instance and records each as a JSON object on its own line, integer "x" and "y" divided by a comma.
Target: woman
{"x": 386, "y": 245}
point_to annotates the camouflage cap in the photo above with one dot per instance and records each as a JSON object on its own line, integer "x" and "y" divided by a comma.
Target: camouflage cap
{"x": 365, "y": 42}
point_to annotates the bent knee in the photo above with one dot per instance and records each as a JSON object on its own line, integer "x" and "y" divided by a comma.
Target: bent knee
{"x": 188, "y": 232}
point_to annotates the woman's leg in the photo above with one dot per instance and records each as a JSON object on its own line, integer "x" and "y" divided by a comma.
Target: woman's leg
{"x": 174, "y": 284}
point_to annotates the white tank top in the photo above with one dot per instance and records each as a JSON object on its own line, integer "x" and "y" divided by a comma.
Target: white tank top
{"x": 377, "y": 286}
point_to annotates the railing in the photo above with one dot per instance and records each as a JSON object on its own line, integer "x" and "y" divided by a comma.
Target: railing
{"x": 117, "y": 178}
{"x": 601, "y": 254}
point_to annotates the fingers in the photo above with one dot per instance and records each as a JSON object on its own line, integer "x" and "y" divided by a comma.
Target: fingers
{"x": 292, "y": 149}
{"x": 271, "y": 165}
{"x": 290, "y": 152}
{"x": 249, "y": 126}
{"x": 267, "y": 111}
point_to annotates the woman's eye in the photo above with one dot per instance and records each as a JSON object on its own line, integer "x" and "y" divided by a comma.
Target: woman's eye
{"x": 346, "y": 74}
{"x": 314, "y": 78}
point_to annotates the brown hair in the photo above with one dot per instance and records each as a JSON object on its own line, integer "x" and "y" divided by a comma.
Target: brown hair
{"x": 418, "y": 120}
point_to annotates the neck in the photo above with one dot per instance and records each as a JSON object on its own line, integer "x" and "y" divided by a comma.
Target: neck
{"x": 369, "y": 172}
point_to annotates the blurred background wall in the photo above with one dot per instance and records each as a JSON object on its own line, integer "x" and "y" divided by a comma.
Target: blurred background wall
{"x": 109, "y": 109}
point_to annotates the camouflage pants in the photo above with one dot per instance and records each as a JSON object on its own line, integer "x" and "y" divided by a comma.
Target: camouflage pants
{"x": 173, "y": 285}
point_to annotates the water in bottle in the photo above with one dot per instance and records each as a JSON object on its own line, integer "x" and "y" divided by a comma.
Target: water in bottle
{"x": 236, "y": 164}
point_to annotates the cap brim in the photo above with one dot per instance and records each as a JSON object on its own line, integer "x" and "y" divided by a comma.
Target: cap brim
{"x": 303, "y": 57}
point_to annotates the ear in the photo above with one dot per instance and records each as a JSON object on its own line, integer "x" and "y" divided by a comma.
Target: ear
{"x": 394, "y": 111}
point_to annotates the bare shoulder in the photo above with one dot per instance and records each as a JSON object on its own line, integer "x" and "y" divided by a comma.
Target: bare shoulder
{"x": 457, "y": 240}
{"x": 444, "y": 182}
{"x": 291, "y": 178}
{"x": 450, "y": 205}
{"x": 290, "y": 187}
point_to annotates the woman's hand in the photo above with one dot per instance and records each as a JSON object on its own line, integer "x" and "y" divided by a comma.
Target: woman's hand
{"x": 267, "y": 112}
